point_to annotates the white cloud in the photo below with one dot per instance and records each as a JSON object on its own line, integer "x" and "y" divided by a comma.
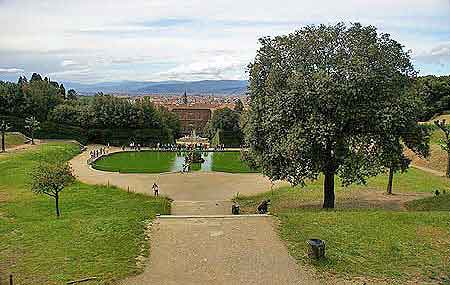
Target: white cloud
{"x": 68, "y": 62}
{"x": 11, "y": 70}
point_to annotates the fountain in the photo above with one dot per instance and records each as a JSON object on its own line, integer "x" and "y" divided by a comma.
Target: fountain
{"x": 193, "y": 140}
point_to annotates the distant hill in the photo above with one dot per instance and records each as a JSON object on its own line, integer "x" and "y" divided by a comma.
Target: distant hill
{"x": 217, "y": 87}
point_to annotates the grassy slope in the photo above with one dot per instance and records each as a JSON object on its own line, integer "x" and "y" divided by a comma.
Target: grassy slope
{"x": 437, "y": 203}
{"x": 438, "y": 157}
{"x": 388, "y": 244}
{"x": 230, "y": 162}
{"x": 12, "y": 140}
{"x": 287, "y": 198}
{"x": 101, "y": 231}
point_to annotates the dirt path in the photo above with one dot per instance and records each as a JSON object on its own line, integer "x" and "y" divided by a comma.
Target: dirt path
{"x": 234, "y": 250}
{"x": 429, "y": 170}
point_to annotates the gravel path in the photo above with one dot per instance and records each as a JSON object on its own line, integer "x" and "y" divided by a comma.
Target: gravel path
{"x": 207, "y": 249}
{"x": 239, "y": 250}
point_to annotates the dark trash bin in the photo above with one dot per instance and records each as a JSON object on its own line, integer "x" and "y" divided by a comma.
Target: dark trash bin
{"x": 317, "y": 248}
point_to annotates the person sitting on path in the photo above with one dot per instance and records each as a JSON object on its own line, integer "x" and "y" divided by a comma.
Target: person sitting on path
{"x": 263, "y": 208}
{"x": 155, "y": 189}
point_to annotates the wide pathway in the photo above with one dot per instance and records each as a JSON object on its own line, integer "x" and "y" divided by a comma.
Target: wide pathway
{"x": 201, "y": 243}
{"x": 229, "y": 250}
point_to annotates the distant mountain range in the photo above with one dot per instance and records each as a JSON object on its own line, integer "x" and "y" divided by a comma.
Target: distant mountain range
{"x": 205, "y": 87}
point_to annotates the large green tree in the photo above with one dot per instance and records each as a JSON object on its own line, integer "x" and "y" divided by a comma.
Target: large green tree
{"x": 322, "y": 101}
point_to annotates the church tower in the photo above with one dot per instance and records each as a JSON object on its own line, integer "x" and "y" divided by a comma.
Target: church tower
{"x": 185, "y": 100}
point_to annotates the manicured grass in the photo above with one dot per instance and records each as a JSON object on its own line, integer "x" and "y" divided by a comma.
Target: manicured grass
{"x": 373, "y": 244}
{"x": 100, "y": 233}
{"x": 287, "y": 198}
{"x": 137, "y": 162}
{"x": 230, "y": 162}
{"x": 437, "y": 203}
{"x": 13, "y": 139}
{"x": 159, "y": 162}
{"x": 397, "y": 246}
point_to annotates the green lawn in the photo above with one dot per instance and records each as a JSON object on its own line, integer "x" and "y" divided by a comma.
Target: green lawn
{"x": 137, "y": 162}
{"x": 159, "y": 162}
{"x": 100, "y": 233}
{"x": 374, "y": 244}
{"x": 287, "y": 198}
{"x": 230, "y": 162}
{"x": 399, "y": 246}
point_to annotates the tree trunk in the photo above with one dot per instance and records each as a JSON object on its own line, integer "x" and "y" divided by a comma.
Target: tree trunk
{"x": 32, "y": 138}
{"x": 391, "y": 178}
{"x": 57, "y": 205}
{"x": 328, "y": 191}
{"x": 3, "y": 141}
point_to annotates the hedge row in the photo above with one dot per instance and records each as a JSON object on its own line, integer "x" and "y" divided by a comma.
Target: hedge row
{"x": 116, "y": 137}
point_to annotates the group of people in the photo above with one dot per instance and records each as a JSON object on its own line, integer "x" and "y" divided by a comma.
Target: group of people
{"x": 166, "y": 147}
{"x": 96, "y": 153}
{"x": 132, "y": 146}
{"x": 219, "y": 147}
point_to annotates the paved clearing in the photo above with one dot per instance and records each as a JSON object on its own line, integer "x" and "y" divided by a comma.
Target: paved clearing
{"x": 235, "y": 250}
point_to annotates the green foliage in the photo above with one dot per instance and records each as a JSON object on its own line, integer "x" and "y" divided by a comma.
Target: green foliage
{"x": 227, "y": 121}
{"x": 102, "y": 232}
{"x": 47, "y": 101}
{"x": 327, "y": 99}
{"x": 51, "y": 178}
{"x": 435, "y": 92}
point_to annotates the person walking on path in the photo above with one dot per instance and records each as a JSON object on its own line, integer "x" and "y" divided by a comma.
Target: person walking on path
{"x": 155, "y": 189}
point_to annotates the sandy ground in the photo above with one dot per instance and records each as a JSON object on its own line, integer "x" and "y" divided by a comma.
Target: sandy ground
{"x": 219, "y": 251}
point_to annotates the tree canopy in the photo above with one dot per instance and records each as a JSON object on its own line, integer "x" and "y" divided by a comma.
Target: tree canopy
{"x": 324, "y": 100}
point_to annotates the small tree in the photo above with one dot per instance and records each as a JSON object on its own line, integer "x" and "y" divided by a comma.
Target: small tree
{"x": 32, "y": 125}
{"x": 50, "y": 179}
{"x": 445, "y": 143}
{"x": 4, "y": 127}
{"x": 412, "y": 136}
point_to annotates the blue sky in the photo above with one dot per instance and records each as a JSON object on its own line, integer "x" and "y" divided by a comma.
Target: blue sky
{"x": 91, "y": 41}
